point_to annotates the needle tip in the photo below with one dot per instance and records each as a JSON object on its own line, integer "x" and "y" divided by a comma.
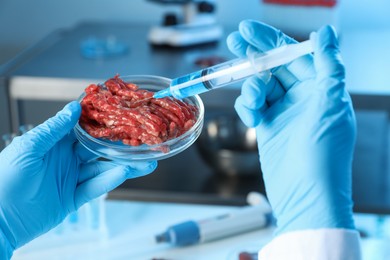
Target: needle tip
{"x": 162, "y": 93}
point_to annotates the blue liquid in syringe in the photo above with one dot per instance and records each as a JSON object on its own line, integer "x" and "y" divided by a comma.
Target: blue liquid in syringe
{"x": 210, "y": 78}
{"x": 194, "y": 89}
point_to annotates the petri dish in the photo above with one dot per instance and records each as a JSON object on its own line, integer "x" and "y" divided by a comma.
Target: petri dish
{"x": 117, "y": 151}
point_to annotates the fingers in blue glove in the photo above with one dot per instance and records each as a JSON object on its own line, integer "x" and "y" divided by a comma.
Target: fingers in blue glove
{"x": 84, "y": 154}
{"x": 92, "y": 169}
{"x": 251, "y": 101}
{"x": 239, "y": 46}
{"x": 236, "y": 44}
{"x": 98, "y": 183}
{"x": 256, "y": 96}
{"x": 43, "y": 137}
{"x": 327, "y": 58}
{"x": 264, "y": 37}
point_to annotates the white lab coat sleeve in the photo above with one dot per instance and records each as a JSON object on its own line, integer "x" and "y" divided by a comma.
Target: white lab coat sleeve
{"x": 319, "y": 244}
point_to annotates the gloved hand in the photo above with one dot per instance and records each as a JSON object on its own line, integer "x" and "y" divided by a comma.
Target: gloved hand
{"x": 305, "y": 128}
{"x": 46, "y": 174}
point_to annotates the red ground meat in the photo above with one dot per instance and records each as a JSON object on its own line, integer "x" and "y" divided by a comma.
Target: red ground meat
{"x": 123, "y": 112}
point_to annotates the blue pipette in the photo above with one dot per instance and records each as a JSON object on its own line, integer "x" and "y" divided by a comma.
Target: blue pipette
{"x": 234, "y": 70}
{"x": 190, "y": 232}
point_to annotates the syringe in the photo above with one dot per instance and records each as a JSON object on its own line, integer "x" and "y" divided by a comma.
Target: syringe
{"x": 234, "y": 70}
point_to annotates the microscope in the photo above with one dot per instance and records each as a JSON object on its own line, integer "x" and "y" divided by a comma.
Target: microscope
{"x": 195, "y": 25}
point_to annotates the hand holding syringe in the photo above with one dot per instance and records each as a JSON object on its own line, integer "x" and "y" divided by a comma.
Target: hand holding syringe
{"x": 234, "y": 70}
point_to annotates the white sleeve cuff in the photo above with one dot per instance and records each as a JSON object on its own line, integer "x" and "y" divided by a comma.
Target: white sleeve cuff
{"x": 319, "y": 244}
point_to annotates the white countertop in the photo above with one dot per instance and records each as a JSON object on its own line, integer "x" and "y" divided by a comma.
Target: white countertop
{"x": 131, "y": 226}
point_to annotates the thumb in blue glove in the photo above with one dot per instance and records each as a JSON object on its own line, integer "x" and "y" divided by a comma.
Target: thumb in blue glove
{"x": 305, "y": 128}
{"x": 46, "y": 174}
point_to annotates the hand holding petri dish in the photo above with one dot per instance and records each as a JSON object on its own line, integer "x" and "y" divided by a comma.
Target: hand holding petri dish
{"x": 121, "y": 120}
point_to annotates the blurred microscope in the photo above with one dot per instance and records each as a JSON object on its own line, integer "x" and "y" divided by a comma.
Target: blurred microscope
{"x": 196, "y": 24}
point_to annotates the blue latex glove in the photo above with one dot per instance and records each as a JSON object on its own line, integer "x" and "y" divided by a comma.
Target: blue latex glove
{"x": 46, "y": 174}
{"x": 305, "y": 128}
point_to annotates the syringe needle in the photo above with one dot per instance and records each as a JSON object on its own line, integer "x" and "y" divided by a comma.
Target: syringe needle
{"x": 162, "y": 93}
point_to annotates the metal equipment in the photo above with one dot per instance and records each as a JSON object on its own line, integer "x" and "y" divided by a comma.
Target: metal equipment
{"x": 196, "y": 25}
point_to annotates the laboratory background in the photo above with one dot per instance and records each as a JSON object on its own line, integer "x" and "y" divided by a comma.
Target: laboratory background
{"x": 51, "y": 50}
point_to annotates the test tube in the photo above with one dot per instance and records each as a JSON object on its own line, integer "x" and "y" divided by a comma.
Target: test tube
{"x": 96, "y": 216}
{"x": 7, "y": 138}
{"x": 25, "y": 128}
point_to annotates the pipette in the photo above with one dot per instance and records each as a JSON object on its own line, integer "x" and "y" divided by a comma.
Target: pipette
{"x": 190, "y": 232}
{"x": 226, "y": 73}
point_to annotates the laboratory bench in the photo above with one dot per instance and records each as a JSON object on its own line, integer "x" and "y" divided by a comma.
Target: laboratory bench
{"x": 129, "y": 228}
{"x": 42, "y": 79}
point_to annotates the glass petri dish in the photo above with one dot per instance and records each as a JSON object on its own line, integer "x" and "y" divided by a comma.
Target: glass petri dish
{"x": 117, "y": 151}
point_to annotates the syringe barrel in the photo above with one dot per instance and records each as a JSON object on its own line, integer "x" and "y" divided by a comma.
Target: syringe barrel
{"x": 236, "y": 70}
{"x": 228, "y": 72}
{"x": 213, "y": 77}
{"x": 279, "y": 56}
